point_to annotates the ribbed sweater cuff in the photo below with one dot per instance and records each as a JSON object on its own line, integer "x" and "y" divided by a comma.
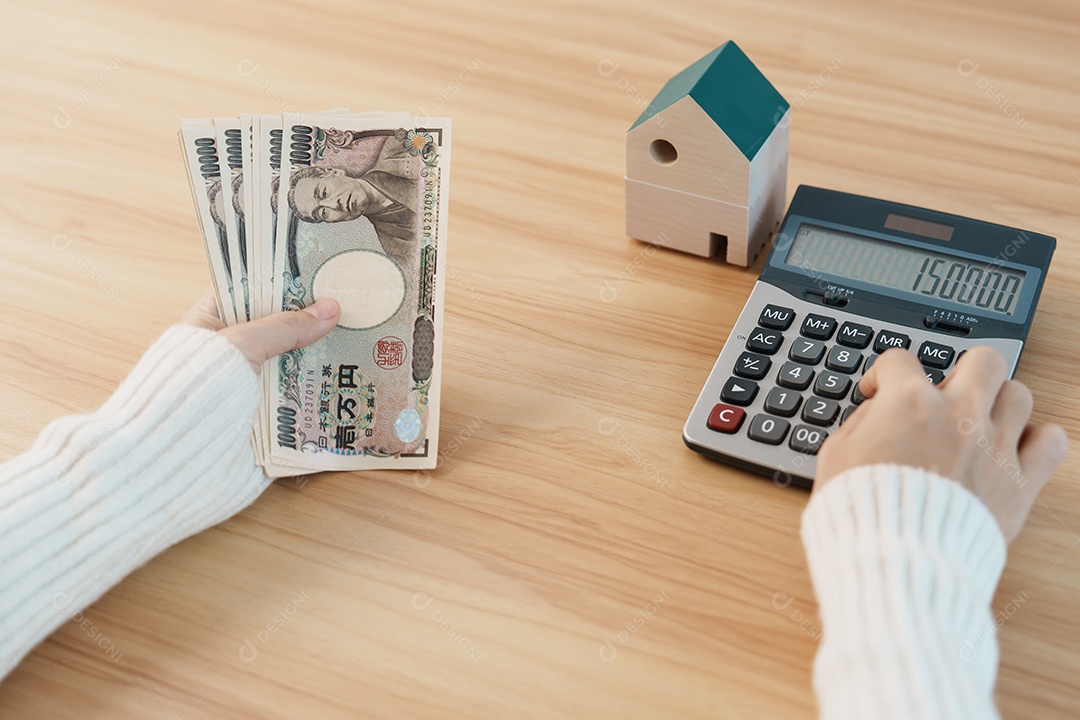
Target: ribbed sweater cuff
{"x": 904, "y": 563}
{"x": 98, "y": 495}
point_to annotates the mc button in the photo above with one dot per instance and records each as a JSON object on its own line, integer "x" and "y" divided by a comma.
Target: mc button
{"x": 936, "y": 356}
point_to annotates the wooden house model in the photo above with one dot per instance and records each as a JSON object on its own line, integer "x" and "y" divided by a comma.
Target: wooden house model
{"x": 706, "y": 162}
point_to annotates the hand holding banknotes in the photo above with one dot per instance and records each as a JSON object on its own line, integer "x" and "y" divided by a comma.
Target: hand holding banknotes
{"x": 298, "y": 208}
{"x": 262, "y": 339}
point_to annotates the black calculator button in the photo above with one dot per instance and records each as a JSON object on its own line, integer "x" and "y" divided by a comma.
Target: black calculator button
{"x": 764, "y": 341}
{"x": 887, "y": 339}
{"x": 847, "y": 413}
{"x": 857, "y": 396}
{"x": 795, "y": 376}
{"x": 831, "y": 385}
{"x": 934, "y": 376}
{"x": 808, "y": 352}
{"x": 776, "y": 317}
{"x": 843, "y": 359}
{"x": 869, "y": 361}
{"x": 806, "y": 439}
{"x": 819, "y": 411}
{"x": 853, "y": 335}
{"x": 752, "y": 366}
{"x": 726, "y": 419}
{"x": 738, "y": 391}
{"x": 818, "y": 326}
{"x": 768, "y": 429}
{"x": 936, "y": 356}
{"x": 784, "y": 402}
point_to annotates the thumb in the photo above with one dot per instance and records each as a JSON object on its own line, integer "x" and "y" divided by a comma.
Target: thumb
{"x": 1042, "y": 448}
{"x": 260, "y": 340}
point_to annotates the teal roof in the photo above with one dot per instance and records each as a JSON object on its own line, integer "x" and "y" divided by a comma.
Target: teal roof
{"x": 732, "y": 91}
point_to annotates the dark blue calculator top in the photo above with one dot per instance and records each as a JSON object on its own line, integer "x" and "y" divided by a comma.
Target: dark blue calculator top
{"x": 909, "y": 265}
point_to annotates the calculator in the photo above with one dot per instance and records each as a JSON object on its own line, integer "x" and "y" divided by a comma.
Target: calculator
{"x": 849, "y": 277}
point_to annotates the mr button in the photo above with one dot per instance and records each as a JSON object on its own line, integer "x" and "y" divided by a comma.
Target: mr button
{"x": 725, "y": 418}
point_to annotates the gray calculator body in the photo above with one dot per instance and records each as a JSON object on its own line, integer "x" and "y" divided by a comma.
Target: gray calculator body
{"x": 847, "y": 278}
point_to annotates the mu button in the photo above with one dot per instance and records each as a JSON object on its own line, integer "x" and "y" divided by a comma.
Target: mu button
{"x": 726, "y": 419}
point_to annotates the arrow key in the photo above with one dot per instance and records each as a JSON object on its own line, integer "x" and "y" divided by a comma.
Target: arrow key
{"x": 738, "y": 391}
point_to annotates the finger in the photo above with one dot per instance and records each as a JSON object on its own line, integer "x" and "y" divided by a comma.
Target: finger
{"x": 1012, "y": 410}
{"x": 204, "y": 313}
{"x": 977, "y": 378}
{"x": 1042, "y": 448}
{"x": 895, "y": 368}
{"x": 268, "y": 337}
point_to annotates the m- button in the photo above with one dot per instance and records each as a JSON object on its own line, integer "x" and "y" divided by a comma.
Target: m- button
{"x": 854, "y": 335}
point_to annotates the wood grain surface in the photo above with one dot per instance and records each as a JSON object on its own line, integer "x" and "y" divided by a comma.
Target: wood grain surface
{"x": 569, "y": 558}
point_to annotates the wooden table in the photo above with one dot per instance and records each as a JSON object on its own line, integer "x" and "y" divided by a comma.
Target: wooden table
{"x": 570, "y": 558}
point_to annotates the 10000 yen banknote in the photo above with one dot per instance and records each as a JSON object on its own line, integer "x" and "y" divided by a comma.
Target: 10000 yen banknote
{"x": 198, "y": 141}
{"x": 361, "y": 217}
{"x": 230, "y": 153}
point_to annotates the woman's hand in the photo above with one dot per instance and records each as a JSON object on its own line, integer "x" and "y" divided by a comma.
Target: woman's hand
{"x": 973, "y": 428}
{"x": 260, "y": 340}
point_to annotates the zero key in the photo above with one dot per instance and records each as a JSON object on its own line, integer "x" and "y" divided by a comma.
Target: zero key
{"x": 725, "y": 418}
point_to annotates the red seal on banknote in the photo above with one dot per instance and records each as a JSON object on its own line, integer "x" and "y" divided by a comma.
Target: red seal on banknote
{"x": 389, "y": 352}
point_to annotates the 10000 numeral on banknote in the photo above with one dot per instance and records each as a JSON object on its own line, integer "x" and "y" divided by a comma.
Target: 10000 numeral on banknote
{"x": 361, "y": 218}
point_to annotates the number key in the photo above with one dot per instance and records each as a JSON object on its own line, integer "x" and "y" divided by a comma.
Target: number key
{"x": 795, "y": 376}
{"x": 764, "y": 341}
{"x": 820, "y": 412}
{"x": 831, "y": 385}
{"x": 808, "y": 352}
{"x": 869, "y": 361}
{"x": 843, "y": 360}
{"x": 857, "y": 396}
{"x": 769, "y": 430}
{"x": 782, "y": 402}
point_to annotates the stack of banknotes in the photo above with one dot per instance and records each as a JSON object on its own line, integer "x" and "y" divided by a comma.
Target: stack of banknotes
{"x": 299, "y": 207}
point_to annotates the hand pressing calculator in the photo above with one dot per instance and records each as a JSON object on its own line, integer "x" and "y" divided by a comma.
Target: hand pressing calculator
{"x": 848, "y": 278}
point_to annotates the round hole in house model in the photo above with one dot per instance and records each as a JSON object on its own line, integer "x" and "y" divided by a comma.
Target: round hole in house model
{"x": 663, "y": 152}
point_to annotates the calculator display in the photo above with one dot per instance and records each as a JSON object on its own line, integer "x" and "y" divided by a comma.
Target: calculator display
{"x": 907, "y": 270}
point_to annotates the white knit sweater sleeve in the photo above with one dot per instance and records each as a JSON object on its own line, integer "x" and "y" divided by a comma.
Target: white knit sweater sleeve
{"x": 904, "y": 563}
{"x": 98, "y": 495}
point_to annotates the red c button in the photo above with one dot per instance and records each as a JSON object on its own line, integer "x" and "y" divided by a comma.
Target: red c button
{"x": 725, "y": 418}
